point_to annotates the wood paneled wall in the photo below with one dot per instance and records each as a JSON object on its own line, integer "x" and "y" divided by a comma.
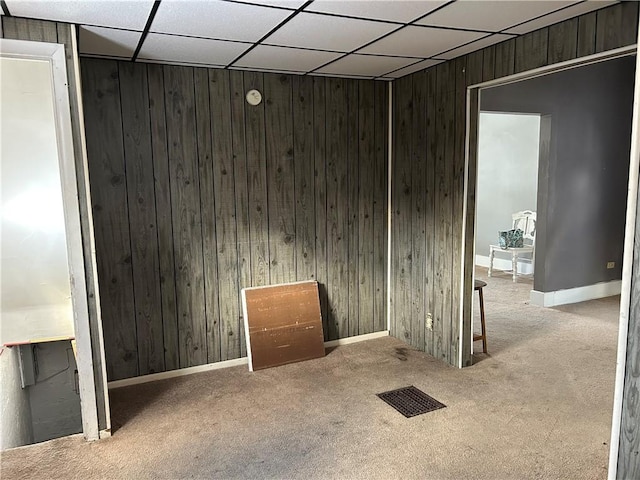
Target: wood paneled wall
{"x": 428, "y": 172}
{"x": 56, "y": 32}
{"x": 197, "y": 194}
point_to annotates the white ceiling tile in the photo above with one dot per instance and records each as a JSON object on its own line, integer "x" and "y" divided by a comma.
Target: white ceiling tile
{"x": 366, "y": 65}
{"x": 420, "y": 42}
{"x": 413, "y": 68}
{"x": 310, "y": 30}
{"x": 564, "y": 14}
{"x": 392, "y": 10}
{"x": 130, "y": 14}
{"x": 283, "y": 58}
{"x": 491, "y": 15}
{"x": 477, "y": 45}
{"x": 109, "y": 42}
{"x": 190, "y": 50}
{"x": 217, "y": 19}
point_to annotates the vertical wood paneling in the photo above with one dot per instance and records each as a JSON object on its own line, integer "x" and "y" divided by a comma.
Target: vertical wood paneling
{"x": 162, "y": 189}
{"x": 280, "y": 168}
{"x": 225, "y": 217}
{"x": 563, "y": 41}
{"x": 236, "y": 83}
{"x": 629, "y": 446}
{"x": 488, "y": 64}
{"x": 105, "y": 152}
{"x": 401, "y": 253}
{"x": 134, "y": 96}
{"x": 475, "y": 63}
{"x": 207, "y": 214}
{"x": 430, "y": 213}
{"x": 337, "y": 208}
{"x": 29, "y": 29}
{"x": 186, "y": 215}
{"x": 299, "y": 180}
{"x": 303, "y": 154}
{"x": 257, "y": 183}
{"x": 366, "y": 188}
{"x": 352, "y": 204}
{"x": 418, "y": 221}
{"x": 531, "y": 50}
{"x": 460, "y": 112}
{"x": 616, "y": 26}
{"x": 587, "y": 34}
{"x": 380, "y": 205}
{"x": 446, "y": 86}
{"x": 320, "y": 187}
{"x": 505, "y": 58}
{"x": 440, "y": 248}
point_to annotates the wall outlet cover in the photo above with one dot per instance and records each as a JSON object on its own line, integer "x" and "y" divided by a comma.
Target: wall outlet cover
{"x": 611, "y": 265}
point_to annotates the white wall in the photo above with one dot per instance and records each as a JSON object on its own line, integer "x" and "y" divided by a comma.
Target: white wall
{"x": 35, "y": 272}
{"x": 15, "y": 416}
{"x": 508, "y": 147}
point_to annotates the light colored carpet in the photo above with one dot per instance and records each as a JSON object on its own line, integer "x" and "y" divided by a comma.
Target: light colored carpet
{"x": 539, "y": 406}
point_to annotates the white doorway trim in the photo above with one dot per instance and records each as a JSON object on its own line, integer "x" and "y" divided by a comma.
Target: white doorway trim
{"x": 54, "y": 54}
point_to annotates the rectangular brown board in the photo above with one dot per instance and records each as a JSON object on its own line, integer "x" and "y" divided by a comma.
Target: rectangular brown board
{"x": 283, "y": 324}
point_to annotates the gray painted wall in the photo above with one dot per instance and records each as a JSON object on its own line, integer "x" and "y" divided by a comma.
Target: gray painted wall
{"x": 583, "y": 181}
{"x": 507, "y": 172}
{"x": 54, "y": 399}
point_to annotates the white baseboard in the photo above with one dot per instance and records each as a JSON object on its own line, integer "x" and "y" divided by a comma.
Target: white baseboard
{"x": 152, "y": 377}
{"x": 575, "y": 295}
{"x": 524, "y": 266}
{"x": 356, "y": 339}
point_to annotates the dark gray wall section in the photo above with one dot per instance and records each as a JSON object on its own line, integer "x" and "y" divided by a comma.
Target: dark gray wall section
{"x": 590, "y": 110}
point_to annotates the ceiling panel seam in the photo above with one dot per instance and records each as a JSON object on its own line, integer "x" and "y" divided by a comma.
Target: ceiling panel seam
{"x": 274, "y": 29}
{"x": 147, "y": 26}
{"x": 383, "y": 36}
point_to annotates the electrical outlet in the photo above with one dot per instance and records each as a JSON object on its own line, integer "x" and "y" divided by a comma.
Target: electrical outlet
{"x": 429, "y": 322}
{"x": 611, "y": 264}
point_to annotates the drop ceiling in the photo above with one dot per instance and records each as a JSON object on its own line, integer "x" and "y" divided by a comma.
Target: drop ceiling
{"x": 381, "y": 39}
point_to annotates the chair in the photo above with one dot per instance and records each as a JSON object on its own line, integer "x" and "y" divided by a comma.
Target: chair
{"x": 478, "y": 285}
{"x": 525, "y": 221}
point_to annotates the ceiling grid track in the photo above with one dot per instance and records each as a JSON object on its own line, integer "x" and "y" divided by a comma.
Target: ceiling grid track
{"x": 381, "y": 40}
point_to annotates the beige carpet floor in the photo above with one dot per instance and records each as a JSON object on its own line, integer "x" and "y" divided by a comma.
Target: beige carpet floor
{"x": 538, "y": 406}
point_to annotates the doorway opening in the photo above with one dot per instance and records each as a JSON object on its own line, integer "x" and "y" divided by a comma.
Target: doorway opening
{"x": 571, "y": 306}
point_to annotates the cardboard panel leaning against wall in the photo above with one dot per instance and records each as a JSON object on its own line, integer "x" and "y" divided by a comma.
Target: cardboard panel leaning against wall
{"x": 197, "y": 194}
{"x": 429, "y": 168}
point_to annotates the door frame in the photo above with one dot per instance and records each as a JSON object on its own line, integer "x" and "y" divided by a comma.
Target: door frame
{"x": 54, "y": 54}
{"x": 469, "y": 223}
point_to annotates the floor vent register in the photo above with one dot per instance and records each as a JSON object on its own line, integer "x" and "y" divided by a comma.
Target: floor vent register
{"x": 410, "y": 401}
